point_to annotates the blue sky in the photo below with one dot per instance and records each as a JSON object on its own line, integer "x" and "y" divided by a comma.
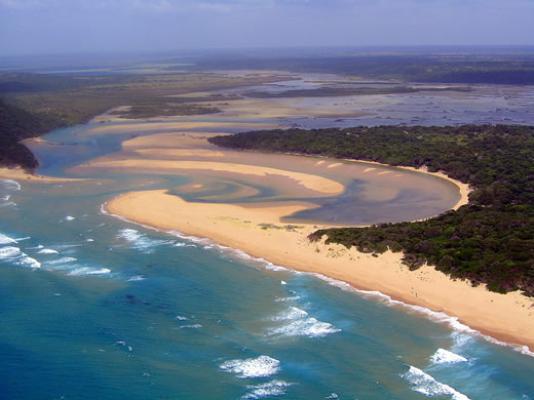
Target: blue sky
{"x": 63, "y": 26}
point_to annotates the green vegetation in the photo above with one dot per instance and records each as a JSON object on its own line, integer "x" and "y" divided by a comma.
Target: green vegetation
{"x": 76, "y": 99}
{"x": 165, "y": 109}
{"x": 15, "y": 125}
{"x": 33, "y": 104}
{"x": 489, "y": 241}
{"x": 447, "y": 67}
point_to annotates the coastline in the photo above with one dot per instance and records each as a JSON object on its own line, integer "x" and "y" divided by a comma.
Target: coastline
{"x": 259, "y": 232}
{"x": 20, "y": 174}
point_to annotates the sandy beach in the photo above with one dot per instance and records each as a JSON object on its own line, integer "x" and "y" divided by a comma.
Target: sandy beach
{"x": 312, "y": 182}
{"x": 261, "y": 229}
{"x": 20, "y": 174}
{"x": 257, "y": 230}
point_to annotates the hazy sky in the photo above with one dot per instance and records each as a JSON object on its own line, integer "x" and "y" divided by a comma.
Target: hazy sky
{"x": 59, "y": 26}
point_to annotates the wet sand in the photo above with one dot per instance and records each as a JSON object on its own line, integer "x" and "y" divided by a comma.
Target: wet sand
{"x": 313, "y": 182}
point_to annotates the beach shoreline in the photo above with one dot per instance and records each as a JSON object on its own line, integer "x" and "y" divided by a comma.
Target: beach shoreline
{"x": 19, "y": 174}
{"x": 259, "y": 233}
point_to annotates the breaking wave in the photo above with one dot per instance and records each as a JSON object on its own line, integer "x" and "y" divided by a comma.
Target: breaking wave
{"x": 140, "y": 241}
{"x": 47, "y": 251}
{"x": 425, "y": 384}
{"x": 9, "y": 184}
{"x": 297, "y": 322}
{"x": 136, "y": 278}
{"x": 61, "y": 261}
{"x": 191, "y": 326}
{"x": 71, "y": 267}
{"x": 16, "y": 256}
{"x": 442, "y": 356}
{"x": 89, "y": 271}
{"x": 259, "y": 367}
{"x": 435, "y": 316}
{"x": 269, "y": 389}
{"x": 4, "y": 239}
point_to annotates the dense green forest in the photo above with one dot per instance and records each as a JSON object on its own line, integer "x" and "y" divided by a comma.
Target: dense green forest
{"x": 490, "y": 240}
{"x": 17, "y": 124}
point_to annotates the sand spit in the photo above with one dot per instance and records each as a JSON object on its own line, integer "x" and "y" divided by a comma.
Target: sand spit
{"x": 176, "y": 126}
{"x": 257, "y": 230}
{"x": 20, "y": 174}
{"x": 313, "y": 182}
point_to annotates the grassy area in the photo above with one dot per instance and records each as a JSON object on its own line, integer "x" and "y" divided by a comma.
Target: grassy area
{"x": 489, "y": 241}
{"x": 76, "y": 99}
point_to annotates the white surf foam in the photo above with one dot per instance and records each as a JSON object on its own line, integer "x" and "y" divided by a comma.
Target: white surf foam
{"x": 69, "y": 218}
{"x": 136, "y": 278}
{"x": 290, "y": 314}
{"x": 27, "y": 261}
{"x": 4, "y": 239}
{"x": 442, "y": 356}
{"x": 48, "y": 251}
{"x": 191, "y": 326}
{"x": 438, "y": 317}
{"x": 89, "y": 271}
{"x": 67, "y": 246}
{"x": 286, "y": 299}
{"x": 9, "y": 252}
{"x": 424, "y": 383}
{"x": 140, "y": 241}
{"x": 61, "y": 261}
{"x": 332, "y": 396}
{"x": 259, "y": 367}
{"x": 269, "y": 389}
{"x": 297, "y": 322}
{"x": 16, "y": 256}
{"x": 5, "y": 201}
{"x": 10, "y": 184}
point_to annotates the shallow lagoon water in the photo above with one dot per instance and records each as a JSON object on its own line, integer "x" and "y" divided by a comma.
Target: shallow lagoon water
{"x": 117, "y": 311}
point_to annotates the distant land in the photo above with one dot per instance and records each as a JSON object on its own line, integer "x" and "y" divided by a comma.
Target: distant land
{"x": 33, "y": 104}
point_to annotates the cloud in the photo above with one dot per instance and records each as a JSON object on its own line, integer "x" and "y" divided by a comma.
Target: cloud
{"x": 109, "y": 25}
